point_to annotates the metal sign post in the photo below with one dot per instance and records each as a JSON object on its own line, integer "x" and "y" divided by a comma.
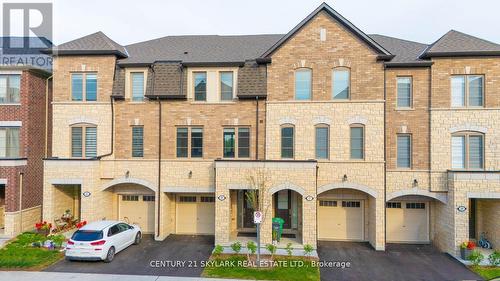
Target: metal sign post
{"x": 257, "y": 219}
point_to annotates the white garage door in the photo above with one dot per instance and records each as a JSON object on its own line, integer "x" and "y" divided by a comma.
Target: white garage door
{"x": 138, "y": 209}
{"x": 340, "y": 220}
{"x": 408, "y": 222}
{"x": 195, "y": 214}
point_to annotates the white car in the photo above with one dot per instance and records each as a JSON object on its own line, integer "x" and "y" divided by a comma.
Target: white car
{"x": 101, "y": 240}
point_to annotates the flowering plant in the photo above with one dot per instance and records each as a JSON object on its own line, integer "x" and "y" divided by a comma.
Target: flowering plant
{"x": 43, "y": 225}
{"x": 81, "y": 224}
{"x": 469, "y": 245}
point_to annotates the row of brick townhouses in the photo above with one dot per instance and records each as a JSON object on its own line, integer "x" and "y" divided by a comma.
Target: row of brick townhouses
{"x": 358, "y": 137}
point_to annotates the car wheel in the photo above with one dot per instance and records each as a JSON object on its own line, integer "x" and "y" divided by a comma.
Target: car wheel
{"x": 138, "y": 238}
{"x": 111, "y": 255}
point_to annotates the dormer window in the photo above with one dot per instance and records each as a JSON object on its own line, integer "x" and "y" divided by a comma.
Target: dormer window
{"x": 137, "y": 85}
{"x": 200, "y": 86}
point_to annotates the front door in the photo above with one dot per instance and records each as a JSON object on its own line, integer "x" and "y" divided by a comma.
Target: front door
{"x": 247, "y": 211}
{"x": 282, "y": 207}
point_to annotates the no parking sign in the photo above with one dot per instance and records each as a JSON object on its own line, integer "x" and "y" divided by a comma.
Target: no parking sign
{"x": 257, "y": 217}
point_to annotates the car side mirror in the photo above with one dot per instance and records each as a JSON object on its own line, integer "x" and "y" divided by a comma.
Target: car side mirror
{"x": 130, "y": 227}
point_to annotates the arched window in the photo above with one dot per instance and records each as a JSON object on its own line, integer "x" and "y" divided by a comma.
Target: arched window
{"x": 322, "y": 137}
{"x": 341, "y": 83}
{"x": 303, "y": 77}
{"x": 83, "y": 140}
{"x": 467, "y": 150}
{"x": 287, "y": 141}
{"x": 357, "y": 141}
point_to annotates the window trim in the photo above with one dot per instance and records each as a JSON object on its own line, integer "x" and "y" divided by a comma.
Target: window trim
{"x": 302, "y": 69}
{"x": 357, "y": 125}
{"x": 322, "y": 125}
{"x": 348, "y": 69}
{"x": 84, "y": 86}
{"x": 236, "y": 141}
{"x": 84, "y": 134}
{"x": 411, "y": 92}
{"x": 20, "y": 149}
{"x": 293, "y": 140}
{"x": 467, "y": 91}
{"x": 411, "y": 150}
{"x": 467, "y": 134}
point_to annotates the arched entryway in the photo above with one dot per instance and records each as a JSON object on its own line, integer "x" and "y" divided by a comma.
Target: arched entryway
{"x": 133, "y": 202}
{"x": 287, "y": 205}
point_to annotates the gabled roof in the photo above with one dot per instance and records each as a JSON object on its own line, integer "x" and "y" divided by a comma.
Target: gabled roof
{"x": 406, "y": 52}
{"x": 200, "y": 49}
{"x": 385, "y": 54}
{"x": 455, "y": 43}
{"x": 94, "y": 44}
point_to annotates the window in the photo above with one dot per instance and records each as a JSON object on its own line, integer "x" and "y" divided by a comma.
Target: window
{"x": 113, "y": 230}
{"x": 467, "y": 90}
{"x": 137, "y": 141}
{"x": 322, "y": 142}
{"x": 404, "y": 98}
{"x": 414, "y": 205}
{"x": 229, "y": 143}
{"x": 200, "y": 86}
{"x": 287, "y": 142}
{"x": 243, "y": 142}
{"x": 226, "y": 86}
{"x": 9, "y": 142}
{"x": 10, "y": 86}
{"x": 327, "y": 203}
{"x": 351, "y": 204}
{"x": 197, "y": 142}
{"x": 87, "y": 235}
{"x": 303, "y": 84}
{"x": 83, "y": 141}
{"x": 84, "y": 86}
{"x": 207, "y": 199}
{"x": 393, "y": 205}
{"x": 341, "y": 83}
{"x": 137, "y": 85}
{"x": 130, "y": 197}
{"x": 187, "y": 199}
{"x": 182, "y": 142}
{"x": 404, "y": 151}
{"x": 148, "y": 198}
{"x": 357, "y": 142}
{"x": 467, "y": 151}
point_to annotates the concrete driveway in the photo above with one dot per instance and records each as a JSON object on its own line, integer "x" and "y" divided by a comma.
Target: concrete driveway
{"x": 178, "y": 255}
{"x": 400, "y": 262}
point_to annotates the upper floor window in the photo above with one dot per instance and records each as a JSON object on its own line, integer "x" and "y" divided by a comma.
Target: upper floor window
{"x": 241, "y": 144}
{"x": 467, "y": 90}
{"x": 10, "y": 86}
{"x": 467, "y": 151}
{"x": 226, "y": 85}
{"x": 229, "y": 142}
{"x": 83, "y": 141}
{"x": 303, "y": 84}
{"x": 9, "y": 142}
{"x": 200, "y": 86}
{"x": 183, "y": 144}
{"x": 137, "y": 141}
{"x": 357, "y": 142}
{"x": 287, "y": 141}
{"x": 404, "y": 98}
{"x": 322, "y": 141}
{"x": 83, "y": 86}
{"x": 137, "y": 85}
{"x": 341, "y": 81}
{"x": 404, "y": 151}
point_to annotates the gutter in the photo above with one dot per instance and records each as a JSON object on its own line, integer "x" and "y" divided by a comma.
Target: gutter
{"x": 46, "y": 117}
{"x": 257, "y": 128}
{"x": 112, "y": 130}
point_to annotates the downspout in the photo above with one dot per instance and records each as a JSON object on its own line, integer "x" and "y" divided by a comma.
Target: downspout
{"x": 385, "y": 155}
{"x": 21, "y": 178}
{"x": 47, "y": 117}
{"x": 158, "y": 212}
{"x": 257, "y": 128}
{"x": 112, "y": 129}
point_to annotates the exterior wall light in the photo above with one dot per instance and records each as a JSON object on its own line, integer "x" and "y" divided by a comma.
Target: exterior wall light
{"x": 190, "y": 174}
{"x": 344, "y": 178}
{"x": 415, "y": 183}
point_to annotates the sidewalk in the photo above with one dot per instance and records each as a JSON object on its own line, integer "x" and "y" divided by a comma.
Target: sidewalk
{"x": 55, "y": 276}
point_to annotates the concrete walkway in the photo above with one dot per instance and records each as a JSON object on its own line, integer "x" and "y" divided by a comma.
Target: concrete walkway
{"x": 57, "y": 276}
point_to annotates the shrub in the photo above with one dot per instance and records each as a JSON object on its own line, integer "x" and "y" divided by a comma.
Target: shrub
{"x": 476, "y": 257}
{"x": 308, "y": 249}
{"x": 272, "y": 249}
{"x": 236, "y": 247}
{"x": 251, "y": 249}
{"x": 289, "y": 249}
{"x": 57, "y": 239}
{"x": 494, "y": 258}
{"x": 218, "y": 250}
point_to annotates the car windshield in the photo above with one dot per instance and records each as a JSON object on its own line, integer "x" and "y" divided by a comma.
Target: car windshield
{"x": 87, "y": 235}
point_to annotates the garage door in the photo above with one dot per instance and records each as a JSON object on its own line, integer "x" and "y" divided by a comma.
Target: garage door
{"x": 340, "y": 220}
{"x": 195, "y": 214}
{"x": 138, "y": 209}
{"x": 408, "y": 222}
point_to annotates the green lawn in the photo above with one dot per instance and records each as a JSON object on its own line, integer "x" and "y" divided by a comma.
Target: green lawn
{"x": 288, "y": 269}
{"x": 487, "y": 273}
{"x": 20, "y": 255}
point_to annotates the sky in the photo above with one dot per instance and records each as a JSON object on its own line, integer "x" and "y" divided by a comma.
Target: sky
{"x": 130, "y": 21}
